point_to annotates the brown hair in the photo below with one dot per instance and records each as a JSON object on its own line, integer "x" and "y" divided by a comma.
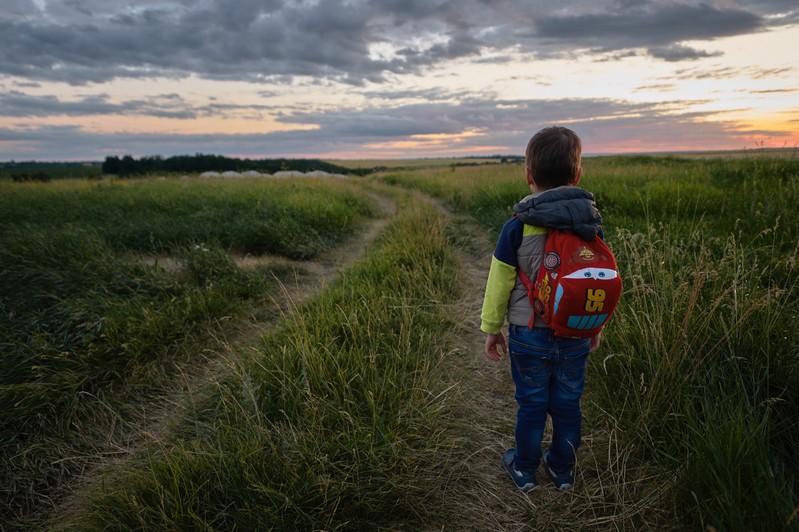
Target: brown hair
{"x": 553, "y": 156}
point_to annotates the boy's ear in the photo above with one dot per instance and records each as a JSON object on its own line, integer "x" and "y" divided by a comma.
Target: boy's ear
{"x": 578, "y": 176}
{"x": 529, "y": 176}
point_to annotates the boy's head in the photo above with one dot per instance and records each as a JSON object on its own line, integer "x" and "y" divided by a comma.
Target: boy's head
{"x": 553, "y": 158}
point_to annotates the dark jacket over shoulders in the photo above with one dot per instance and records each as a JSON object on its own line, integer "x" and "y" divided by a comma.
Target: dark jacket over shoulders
{"x": 562, "y": 208}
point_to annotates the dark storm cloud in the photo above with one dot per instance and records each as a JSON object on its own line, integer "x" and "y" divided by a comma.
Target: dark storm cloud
{"x": 678, "y": 52}
{"x": 20, "y": 8}
{"x": 223, "y": 40}
{"x": 248, "y": 40}
{"x": 660, "y": 26}
{"x": 19, "y": 104}
{"x": 81, "y": 41}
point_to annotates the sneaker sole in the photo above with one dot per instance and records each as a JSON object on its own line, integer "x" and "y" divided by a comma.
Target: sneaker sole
{"x": 525, "y": 487}
{"x": 566, "y": 486}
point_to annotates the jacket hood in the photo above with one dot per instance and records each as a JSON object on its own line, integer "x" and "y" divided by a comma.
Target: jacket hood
{"x": 567, "y": 207}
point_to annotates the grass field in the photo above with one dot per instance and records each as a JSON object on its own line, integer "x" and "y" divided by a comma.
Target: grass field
{"x": 343, "y": 417}
{"x": 89, "y": 332}
{"x": 293, "y": 219}
{"x": 326, "y": 423}
{"x": 699, "y": 369}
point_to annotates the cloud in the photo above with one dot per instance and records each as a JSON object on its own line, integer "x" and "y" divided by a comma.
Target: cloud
{"x": 779, "y": 11}
{"x": 427, "y": 95}
{"x": 20, "y": 8}
{"x": 657, "y": 27}
{"x": 679, "y": 52}
{"x": 486, "y": 115}
{"x": 657, "y": 87}
{"x": 84, "y": 41}
{"x": 366, "y": 54}
{"x": 220, "y": 40}
{"x": 731, "y": 72}
{"x": 434, "y": 129}
{"x": 772, "y": 91}
{"x": 19, "y": 104}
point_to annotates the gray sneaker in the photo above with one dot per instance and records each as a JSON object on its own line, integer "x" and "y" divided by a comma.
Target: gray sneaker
{"x": 524, "y": 481}
{"x": 564, "y": 481}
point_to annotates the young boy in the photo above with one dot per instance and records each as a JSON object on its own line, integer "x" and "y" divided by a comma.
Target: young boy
{"x": 549, "y": 371}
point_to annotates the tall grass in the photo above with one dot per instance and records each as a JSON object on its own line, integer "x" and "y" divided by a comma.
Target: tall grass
{"x": 700, "y": 372}
{"x": 698, "y": 369}
{"x": 84, "y": 336}
{"x": 89, "y": 334}
{"x": 336, "y": 421}
{"x": 294, "y": 219}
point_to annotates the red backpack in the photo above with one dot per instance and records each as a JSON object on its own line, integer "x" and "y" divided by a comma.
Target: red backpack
{"x": 578, "y": 285}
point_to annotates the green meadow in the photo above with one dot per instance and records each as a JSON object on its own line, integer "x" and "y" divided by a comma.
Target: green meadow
{"x": 698, "y": 371}
{"x": 295, "y": 219}
{"x": 90, "y": 330}
{"x": 345, "y": 412}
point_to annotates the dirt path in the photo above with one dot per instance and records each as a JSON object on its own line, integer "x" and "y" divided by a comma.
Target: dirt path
{"x": 160, "y": 416}
{"x": 603, "y": 499}
{"x": 309, "y": 278}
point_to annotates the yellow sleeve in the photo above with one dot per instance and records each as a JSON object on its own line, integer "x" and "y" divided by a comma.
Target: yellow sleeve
{"x": 501, "y": 280}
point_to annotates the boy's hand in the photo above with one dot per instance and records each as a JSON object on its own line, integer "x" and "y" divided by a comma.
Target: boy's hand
{"x": 492, "y": 341}
{"x": 595, "y": 342}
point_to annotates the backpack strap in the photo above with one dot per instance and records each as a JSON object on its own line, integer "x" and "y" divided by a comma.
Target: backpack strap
{"x": 530, "y": 286}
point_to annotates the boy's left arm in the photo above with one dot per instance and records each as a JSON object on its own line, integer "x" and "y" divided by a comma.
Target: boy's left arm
{"x": 501, "y": 280}
{"x": 500, "y": 283}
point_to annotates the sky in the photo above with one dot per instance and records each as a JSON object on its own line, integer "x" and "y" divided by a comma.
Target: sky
{"x": 362, "y": 79}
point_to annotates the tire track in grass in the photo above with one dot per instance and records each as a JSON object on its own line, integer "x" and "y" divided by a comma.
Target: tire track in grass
{"x": 161, "y": 416}
{"x": 309, "y": 278}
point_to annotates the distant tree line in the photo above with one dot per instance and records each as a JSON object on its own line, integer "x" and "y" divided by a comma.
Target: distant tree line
{"x": 45, "y": 171}
{"x": 21, "y": 177}
{"x": 127, "y": 165}
{"x": 190, "y": 164}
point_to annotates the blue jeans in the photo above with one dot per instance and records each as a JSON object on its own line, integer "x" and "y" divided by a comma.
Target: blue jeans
{"x": 549, "y": 373}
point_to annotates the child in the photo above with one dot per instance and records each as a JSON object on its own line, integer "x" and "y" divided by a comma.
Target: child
{"x": 549, "y": 371}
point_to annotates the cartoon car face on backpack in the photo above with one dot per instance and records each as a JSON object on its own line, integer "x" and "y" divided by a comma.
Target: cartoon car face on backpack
{"x": 578, "y": 285}
{"x": 594, "y": 302}
{"x": 599, "y": 274}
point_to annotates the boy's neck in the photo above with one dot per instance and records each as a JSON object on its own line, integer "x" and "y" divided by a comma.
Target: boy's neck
{"x": 538, "y": 190}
